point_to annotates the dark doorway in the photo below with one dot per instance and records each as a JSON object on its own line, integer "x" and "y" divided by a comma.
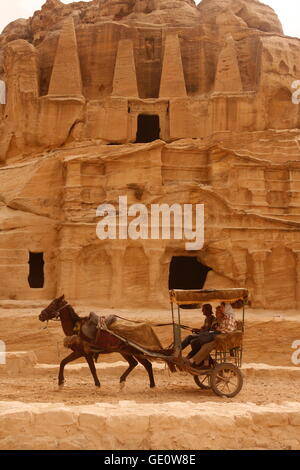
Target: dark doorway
{"x": 187, "y": 273}
{"x": 36, "y": 270}
{"x": 148, "y": 128}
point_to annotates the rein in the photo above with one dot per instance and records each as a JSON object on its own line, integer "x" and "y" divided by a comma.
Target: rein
{"x": 56, "y": 317}
{"x": 60, "y": 309}
{"x": 184, "y": 327}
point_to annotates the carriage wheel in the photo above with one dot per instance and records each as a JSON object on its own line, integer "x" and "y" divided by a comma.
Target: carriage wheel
{"x": 226, "y": 380}
{"x": 203, "y": 381}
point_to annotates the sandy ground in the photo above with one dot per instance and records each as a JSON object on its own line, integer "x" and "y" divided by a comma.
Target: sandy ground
{"x": 169, "y": 388}
{"x": 268, "y": 339}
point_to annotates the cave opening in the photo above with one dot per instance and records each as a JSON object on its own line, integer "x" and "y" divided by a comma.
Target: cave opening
{"x": 187, "y": 273}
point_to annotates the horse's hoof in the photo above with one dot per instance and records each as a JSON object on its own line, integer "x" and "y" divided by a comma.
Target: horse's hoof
{"x": 122, "y": 386}
{"x": 97, "y": 385}
{"x": 60, "y": 387}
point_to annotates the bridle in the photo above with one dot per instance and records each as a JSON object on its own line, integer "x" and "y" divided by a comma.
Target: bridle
{"x": 55, "y": 318}
{"x": 56, "y": 311}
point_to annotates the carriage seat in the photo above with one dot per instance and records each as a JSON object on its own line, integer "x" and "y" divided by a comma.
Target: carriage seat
{"x": 223, "y": 342}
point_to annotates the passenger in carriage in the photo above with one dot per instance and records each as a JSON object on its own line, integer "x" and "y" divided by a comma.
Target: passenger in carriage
{"x": 229, "y": 322}
{"x": 225, "y": 323}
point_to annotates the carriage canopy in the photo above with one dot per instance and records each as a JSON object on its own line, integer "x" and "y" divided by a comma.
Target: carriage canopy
{"x": 192, "y": 297}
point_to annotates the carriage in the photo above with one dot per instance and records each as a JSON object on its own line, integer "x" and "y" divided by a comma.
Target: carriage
{"x": 223, "y": 355}
{"x": 220, "y": 359}
{"x": 217, "y": 364}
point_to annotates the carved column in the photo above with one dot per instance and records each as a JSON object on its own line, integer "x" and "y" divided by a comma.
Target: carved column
{"x": 73, "y": 178}
{"x": 297, "y": 287}
{"x": 117, "y": 261}
{"x": 72, "y": 190}
{"x": 240, "y": 266}
{"x": 67, "y": 274}
{"x": 258, "y": 259}
{"x": 155, "y": 267}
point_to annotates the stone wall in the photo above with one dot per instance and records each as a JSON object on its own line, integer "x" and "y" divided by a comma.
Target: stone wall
{"x": 128, "y": 425}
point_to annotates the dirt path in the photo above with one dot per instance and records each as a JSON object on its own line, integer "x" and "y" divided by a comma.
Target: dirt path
{"x": 80, "y": 390}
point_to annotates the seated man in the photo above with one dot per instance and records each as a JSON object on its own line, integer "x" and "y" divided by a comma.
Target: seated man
{"x": 207, "y": 325}
{"x": 225, "y": 323}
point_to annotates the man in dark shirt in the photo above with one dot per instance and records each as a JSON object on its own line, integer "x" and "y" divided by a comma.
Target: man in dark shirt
{"x": 207, "y": 325}
{"x": 225, "y": 323}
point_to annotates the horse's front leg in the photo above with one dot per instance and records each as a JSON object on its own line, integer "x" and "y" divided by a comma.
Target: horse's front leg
{"x": 72, "y": 357}
{"x": 90, "y": 360}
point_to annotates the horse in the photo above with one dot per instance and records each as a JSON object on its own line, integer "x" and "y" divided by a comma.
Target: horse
{"x": 60, "y": 309}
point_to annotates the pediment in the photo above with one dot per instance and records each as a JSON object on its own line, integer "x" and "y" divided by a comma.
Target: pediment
{"x": 219, "y": 212}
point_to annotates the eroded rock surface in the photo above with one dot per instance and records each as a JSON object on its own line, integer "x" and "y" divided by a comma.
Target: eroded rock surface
{"x": 82, "y": 81}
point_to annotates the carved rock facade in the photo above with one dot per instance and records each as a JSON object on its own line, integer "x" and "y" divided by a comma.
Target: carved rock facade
{"x": 82, "y": 82}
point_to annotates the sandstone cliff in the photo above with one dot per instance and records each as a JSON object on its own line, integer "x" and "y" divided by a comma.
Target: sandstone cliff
{"x": 162, "y": 101}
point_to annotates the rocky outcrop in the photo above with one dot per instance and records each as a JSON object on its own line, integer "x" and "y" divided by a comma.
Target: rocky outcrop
{"x": 233, "y": 13}
{"x": 243, "y": 13}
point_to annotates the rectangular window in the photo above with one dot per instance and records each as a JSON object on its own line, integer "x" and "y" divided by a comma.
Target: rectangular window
{"x": 36, "y": 270}
{"x": 148, "y": 128}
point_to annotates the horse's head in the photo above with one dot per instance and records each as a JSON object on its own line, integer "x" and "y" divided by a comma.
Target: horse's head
{"x": 53, "y": 309}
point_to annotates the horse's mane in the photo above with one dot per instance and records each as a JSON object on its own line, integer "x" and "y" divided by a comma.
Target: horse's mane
{"x": 75, "y": 316}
